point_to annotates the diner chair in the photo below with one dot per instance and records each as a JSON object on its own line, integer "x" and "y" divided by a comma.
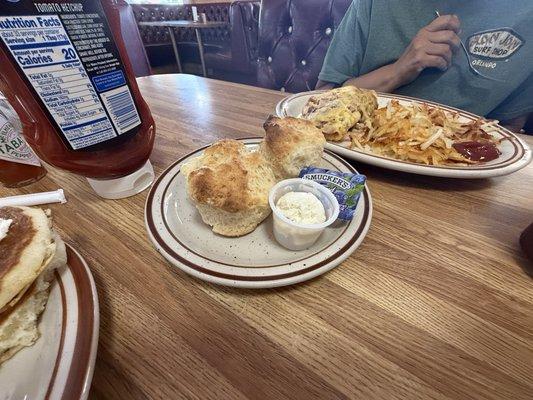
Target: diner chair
{"x": 238, "y": 62}
{"x": 157, "y": 42}
{"x": 156, "y": 39}
{"x": 216, "y": 40}
{"x": 293, "y": 40}
{"x": 133, "y": 41}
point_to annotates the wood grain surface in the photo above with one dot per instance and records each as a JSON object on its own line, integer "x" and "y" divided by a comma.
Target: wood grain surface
{"x": 437, "y": 303}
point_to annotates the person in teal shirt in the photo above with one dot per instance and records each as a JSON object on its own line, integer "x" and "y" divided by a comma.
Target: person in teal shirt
{"x": 405, "y": 47}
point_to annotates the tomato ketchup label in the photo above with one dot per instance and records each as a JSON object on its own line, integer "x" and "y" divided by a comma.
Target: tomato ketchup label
{"x": 13, "y": 147}
{"x": 67, "y": 53}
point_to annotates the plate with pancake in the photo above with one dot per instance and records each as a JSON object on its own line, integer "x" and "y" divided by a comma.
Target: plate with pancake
{"x": 407, "y": 134}
{"x": 238, "y": 248}
{"x": 49, "y": 315}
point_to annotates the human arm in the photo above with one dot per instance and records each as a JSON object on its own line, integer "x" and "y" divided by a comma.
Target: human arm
{"x": 384, "y": 79}
{"x": 516, "y": 124}
{"x": 346, "y": 50}
{"x": 432, "y": 47}
{"x": 321, "y": 85}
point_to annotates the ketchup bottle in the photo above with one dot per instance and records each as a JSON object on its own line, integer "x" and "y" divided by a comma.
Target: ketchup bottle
{"x": 65, "y": 70}
{"x": 19, "y": 166}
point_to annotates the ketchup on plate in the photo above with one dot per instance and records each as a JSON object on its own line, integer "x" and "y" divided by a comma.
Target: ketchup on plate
{"x": 65, "y": 70}
{"x": 477, "y": 151}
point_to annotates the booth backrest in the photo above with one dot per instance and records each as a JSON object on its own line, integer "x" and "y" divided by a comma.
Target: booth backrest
{"x": 294, "y": 36}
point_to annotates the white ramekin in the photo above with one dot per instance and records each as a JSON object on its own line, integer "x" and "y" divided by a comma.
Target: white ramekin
{"x": 292, "y": 235}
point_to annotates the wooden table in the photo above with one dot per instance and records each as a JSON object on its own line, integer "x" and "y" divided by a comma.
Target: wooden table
{"x": 437, "y": 303}
{"x": 197, "y": 26}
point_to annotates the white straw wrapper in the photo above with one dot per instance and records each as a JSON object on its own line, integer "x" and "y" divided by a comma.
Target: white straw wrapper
{"x": 34, "y": 199}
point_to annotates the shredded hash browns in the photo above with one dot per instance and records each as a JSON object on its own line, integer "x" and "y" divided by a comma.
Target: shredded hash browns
{"x": 419, "y": 133}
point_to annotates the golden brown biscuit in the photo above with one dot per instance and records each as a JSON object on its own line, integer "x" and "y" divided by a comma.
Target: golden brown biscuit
{"x": 291, "y": 144}
{"x": 229, "y": 185}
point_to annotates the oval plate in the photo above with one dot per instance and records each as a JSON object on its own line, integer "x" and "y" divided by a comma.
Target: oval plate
{"x": 60, "y": 364}
{"x": 255, "y": 260}
{"x": 515, "y": 153}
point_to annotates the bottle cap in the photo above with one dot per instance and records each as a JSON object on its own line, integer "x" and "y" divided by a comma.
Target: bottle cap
{"x": 125, "y": 186}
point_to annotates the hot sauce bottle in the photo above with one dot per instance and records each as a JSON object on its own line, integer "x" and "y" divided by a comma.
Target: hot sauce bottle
{"x": 19, "y": 166}
{"x": 65, "y": 70}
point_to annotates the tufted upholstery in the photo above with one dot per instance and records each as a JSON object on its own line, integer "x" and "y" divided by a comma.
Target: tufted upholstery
{"x": 132, "y": 40}
{"x": 294, "y": 36}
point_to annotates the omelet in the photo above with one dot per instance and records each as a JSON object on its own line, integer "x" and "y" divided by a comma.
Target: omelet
{"x": 337, "y": 111}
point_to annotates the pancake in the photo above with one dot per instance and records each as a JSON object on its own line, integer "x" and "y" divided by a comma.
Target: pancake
{"x": 18, "y": 325}
{"x": 28, "y": 256}
{"x": 24, "y": 252}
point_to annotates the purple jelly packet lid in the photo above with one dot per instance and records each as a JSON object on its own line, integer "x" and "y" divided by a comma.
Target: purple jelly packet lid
{"x": 346, "y": 187}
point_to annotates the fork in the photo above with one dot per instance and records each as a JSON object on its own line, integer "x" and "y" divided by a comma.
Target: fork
{"x": 474, "y": 69}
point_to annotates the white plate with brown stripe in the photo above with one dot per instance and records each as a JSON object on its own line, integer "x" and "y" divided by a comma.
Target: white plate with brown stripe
{"x": 60, "y": 364}
{"x": 515, "y": 153}
{"x": 255, "y": 260}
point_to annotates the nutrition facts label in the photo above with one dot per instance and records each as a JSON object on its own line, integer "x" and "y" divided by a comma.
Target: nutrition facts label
{"x": 45, "y": 53}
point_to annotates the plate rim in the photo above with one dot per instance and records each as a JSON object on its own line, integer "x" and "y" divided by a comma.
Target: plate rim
{"x": 79, "y": 369}
{"x": 222, "y": 278}
{"x": 521, "y": 157}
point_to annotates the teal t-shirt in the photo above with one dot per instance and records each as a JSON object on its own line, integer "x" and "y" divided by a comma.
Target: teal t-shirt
{"x": 498, "y": 35}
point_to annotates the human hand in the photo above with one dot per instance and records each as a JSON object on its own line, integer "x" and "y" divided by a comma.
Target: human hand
{"x": 432, "y": 46}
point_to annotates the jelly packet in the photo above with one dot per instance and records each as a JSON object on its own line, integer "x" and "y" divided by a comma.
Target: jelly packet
{"x": 346, "y": 187}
